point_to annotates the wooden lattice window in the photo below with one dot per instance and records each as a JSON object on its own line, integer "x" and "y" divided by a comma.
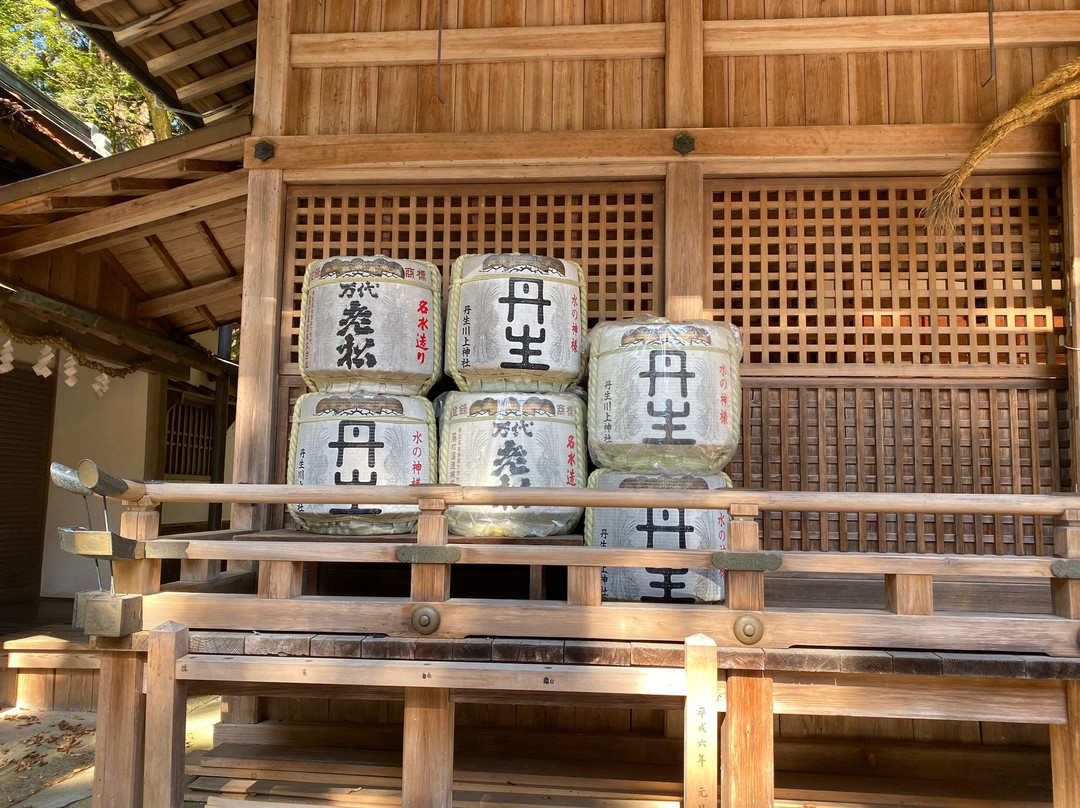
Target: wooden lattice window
{"x": 842, "y": 272}
{"x": 614, "y": 230}
{"x": 189, "y": 438}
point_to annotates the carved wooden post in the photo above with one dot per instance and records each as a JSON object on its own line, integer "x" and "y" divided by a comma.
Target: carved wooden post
{"x": 118, "y": 764}
{"x": 427, "y": 764}
{"x": 747, "y": 733}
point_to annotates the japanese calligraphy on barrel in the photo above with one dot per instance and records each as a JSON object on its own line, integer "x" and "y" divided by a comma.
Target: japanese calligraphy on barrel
{"x": 515, "y": 322}
{"x": 662, "y": 529}
{"x": 360, "y": 441}
{"x": 371, "y": 323}
{"x": 512, "y": 440}
{"x": 664, "y": 394}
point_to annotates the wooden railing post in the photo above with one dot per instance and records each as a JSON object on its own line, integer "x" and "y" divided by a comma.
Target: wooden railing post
{"x": 700, "y": 732}
{"x": 584, "y": 586}
{"x": 747, "y": 734}
{"x": 166, "y": 715}
{"x": 118, "y": 762}
{"x": 909, "y": 594}
{"x": 427, "y": 762}
{"x": 1065, "y": 592}
{"x": 1065, "y": 751}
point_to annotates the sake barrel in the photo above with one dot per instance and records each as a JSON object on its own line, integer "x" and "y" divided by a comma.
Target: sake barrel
{"x": 664, "y": 394}
{"x": 515, "y": 322}
{"x": 372, "y": 324}
{"x": 662, "y": 529}
{"x": 512, "y": 440}
{"x": 356, "y": 440}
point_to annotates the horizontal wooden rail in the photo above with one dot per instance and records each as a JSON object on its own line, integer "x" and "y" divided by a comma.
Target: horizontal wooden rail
{"x": 784, "y": 628}
{"x": 307, "y": 547}
{"x": 816, "y": 501}
{"x": 883, "y": 33}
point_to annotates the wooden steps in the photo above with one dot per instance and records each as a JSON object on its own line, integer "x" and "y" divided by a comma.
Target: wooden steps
{"x": 235, "y": 774}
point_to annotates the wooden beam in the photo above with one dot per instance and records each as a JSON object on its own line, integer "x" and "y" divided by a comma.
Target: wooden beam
{"x": 174, "y": 269}
{"x": 118, "y": 271}
{"x": 125, "y": 216}
{"x": 684, "y": 241}
{"x": 1065, "y": 751}
{"x": 701, "y": 751}
{"x": 167, "y": 20}
{"x": 427, "y": 757}
{"x": 216, "y": 250}
{"x": 147, "y": 185}
{"x": 202, "y": 295}
{"x": 814, "y": 150}
{"x": 684, "y": 95}
{"x": 216, "y": 83}
{"x": 203, "y": 48}
{"x": 166, "y": 714}
{"x": 162, "y": 153}
{"x": 72, "y": 204}
{"x": 894, "y": 32}
{"x": 272, "y": 62}
{"x": 1070, "y": 197}
{"x": 206, "y": 167}
{"x": 747, "y": 743}
{"x": 782, "y": 628}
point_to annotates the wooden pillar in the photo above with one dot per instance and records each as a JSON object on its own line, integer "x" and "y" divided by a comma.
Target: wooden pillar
{"x": 747, "y": 734}
{"x": 1065, "y": 751}
{"x": 1070, "y": 196}
{"x": 118, "y": 761}
{"x": 700, "y": 749}
{"x": 166, "y": 716}
{"x": 427, "y": 760}
{"x": 684, "y": 241}
{"x": 1065, "y": 592}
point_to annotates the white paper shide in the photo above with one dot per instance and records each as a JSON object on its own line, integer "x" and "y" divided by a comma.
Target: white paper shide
{"x": 356, "y": 440}
{"x": 662, "y": 529}
{"x": 512, "y": 440}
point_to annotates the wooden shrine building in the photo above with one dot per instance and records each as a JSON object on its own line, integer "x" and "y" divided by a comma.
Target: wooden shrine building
{"x": 901, "y": 624}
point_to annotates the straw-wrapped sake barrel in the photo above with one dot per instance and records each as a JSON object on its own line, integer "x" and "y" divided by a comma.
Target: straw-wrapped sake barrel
{"x": 356, "y": 440}
{"x": 515, "y": 322}
{"x": 662, "y": 529}
{"x": 664, "y": 394}
{"x": 512, "y": 440}
{"x": 371, "y": 323}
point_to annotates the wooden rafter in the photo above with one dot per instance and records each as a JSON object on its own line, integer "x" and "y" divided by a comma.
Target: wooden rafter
{"x": 216, "y": 83}
{"x": 178, "y": 274}
{"x": 203, "y": 48}
{"x": 207, "y": 293}
{"x": 147, "y": 185}
{"x": 113, "y": 265}
{"x": 125, "y": 216}
{"x": 168, "y": 19}
{"x": 216, "y": 250}
{"x": 205, "y": 167}
{"x": 73, "y": 204}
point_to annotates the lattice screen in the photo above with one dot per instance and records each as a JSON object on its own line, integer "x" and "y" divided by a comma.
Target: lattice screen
{"x": 614, "y": 230}
{"x": 842, "y": 272}
{"x": 952, "y": 437}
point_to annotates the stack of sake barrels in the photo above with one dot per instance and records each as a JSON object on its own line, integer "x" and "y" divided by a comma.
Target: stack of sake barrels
{"x": 664, "y": 412}
{"x": 514, "y": 340}
{"x": 370, "y": 347}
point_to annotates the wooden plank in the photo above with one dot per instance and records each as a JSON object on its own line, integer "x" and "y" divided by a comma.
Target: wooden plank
{"x": 1065, "y": 751}
{"x": 868, "y": 94}
{"x": 177, "y": 58}
{"x": 701, "y": 750}
{"x": 782, "y": 628}
{"x": 827, "y": 75}
{"x": 747, "y": 742}
{"x": 125, "y": 216}
{"x": 167, "y": 20}
{"x": 427, "y": 765}
{"x": 479, "y": 45}
{"x": 785, "y": 82}
{"x": 684, "y": 241}
{"x": 894, "y": 32}
{"x": 684, "y": 67}
{"x": 814, "y": 149}
{"x": 166, "y": 716}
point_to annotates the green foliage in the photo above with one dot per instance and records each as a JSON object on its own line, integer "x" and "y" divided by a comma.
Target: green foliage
{"x": 58, "y": 59}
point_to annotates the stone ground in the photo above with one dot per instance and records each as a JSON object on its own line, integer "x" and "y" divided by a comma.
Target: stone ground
{"x": 46, "y": 758}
